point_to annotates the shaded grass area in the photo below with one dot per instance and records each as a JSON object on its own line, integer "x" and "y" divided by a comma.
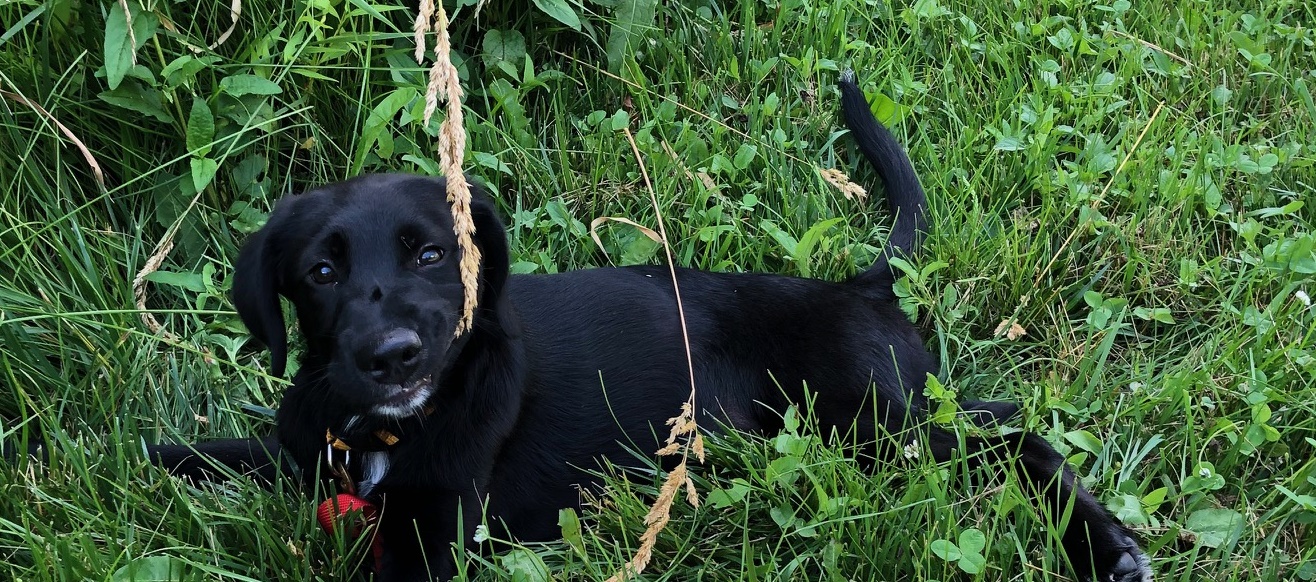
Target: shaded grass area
{"x": 1127, "y": 182}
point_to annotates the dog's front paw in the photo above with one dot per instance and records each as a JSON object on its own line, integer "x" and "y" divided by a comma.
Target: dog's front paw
{"x": 1127, "y": 564}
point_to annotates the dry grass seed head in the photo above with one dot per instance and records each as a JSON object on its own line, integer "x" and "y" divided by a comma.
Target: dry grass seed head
{"x": 443, "y": 80}
{"x": 424, "y": 14}
{"x": 1011, "y": 329}
{"x": 842, "y": 182}
{"x": 698, "y": 447}
{"x": 659, "y": 514}
{"x": 682, "y": 424}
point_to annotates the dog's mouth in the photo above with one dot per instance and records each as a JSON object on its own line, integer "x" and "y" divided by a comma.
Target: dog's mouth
{"x": 407, "y": 399}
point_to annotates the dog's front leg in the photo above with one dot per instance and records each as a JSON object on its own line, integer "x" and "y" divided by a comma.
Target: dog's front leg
{"x": 418, "y": 529}
{"x": 212, "y": 460}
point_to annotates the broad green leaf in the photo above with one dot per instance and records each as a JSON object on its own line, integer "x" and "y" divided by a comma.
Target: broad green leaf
{"x": 946, "y": 550}
{"x": 638, "y": 251}
{"x": 558, "y": 213}
{"x": 790, "y": 444}
{"x": 511, "y": 112}
{"x": 239, "y": 85}
{"x": 1215, "y": 527}
{"x": 523, "y": 267}
{"x": 1160, "y": 314}
{"x": 246, "y": 219}
{"x": 200, "y": 128}
{"x": 791, "y": 420}
{"x": 972, "y": 541}
{"x": 383, "y": 113}
{"x": 560, "y": 11}
{"x": 620, "y": 120}
{"x": 525, "y": 566}
{"x": 151, "y": 569}
{"x": 781, "y": 468}
{"x": 193, "y": 282}
{"x": 782, "y": 515}
{"x": 811, "y": 238}
{"x": 935, "y": 390}
{"x": 311, "y": 74}
{"x": 1128, "y": 509}
{"x": 783, "y": 238}
{"x": 203, "y": 171}
{"x": 1009, "y": 143}
{"x": 503, "y": 46}
{"x": 744, "y": 156}
{"x": 630, "y": 20}
{"x": 730, "y": 496}
{"x": 1156, "y": 497}
{"x": 118, "y": 45}
{"x": 972, "y": 563}
{"x": 1092, "y": 298}
{"x": 184, "y": 68}
{"x": 1084, "y": 440}
{"x": 133, "y": 97}
{"x": 713, "y": 232}
{"x": 887, "y": 111}
{"x": 245, "y": 175}
{"x": 570, "y": 524}
{"x": 429, "y": 166}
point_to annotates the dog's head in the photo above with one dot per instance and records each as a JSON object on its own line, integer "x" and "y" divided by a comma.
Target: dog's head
{"x": 371, "y": 266}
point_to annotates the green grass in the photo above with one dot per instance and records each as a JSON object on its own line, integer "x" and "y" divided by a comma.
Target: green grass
{"x": 1126, "y": 182}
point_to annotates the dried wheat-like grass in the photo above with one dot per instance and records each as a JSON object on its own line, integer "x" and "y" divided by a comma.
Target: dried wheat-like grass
{"x": 234, "y": 12}
{"x": 139, "y": 284}
{"x": 443, "y": 80}
{"x": 684, "y": 437}
{"x": 68, "y": 133}
{"x": 153, "y": 264}
{"x": 842, "y": 182}
{"x": 1153, "y": 46}
{"x": 660, "y": 513}
{"x": 597, "y": 222}
{"x": 422, "y": 26}
{"x": 1010, "y": 329}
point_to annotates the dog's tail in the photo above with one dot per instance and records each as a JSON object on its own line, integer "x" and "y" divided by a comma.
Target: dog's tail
{"x": 904, "y": 195}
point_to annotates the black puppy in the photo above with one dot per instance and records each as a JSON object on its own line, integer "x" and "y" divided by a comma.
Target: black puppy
{"x": 562, "y": 370}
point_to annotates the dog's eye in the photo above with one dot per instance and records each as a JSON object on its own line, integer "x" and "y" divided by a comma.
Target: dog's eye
{"x": 324, "y": 273}
{"x": 429, "y": 255}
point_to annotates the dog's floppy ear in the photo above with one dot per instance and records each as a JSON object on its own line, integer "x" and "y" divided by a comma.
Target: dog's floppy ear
{"x": 492, "y": 240}
{"x": 256, "y": 295}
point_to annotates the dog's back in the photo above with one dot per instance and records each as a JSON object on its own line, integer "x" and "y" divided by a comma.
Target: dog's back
{"x": 757, "y": 340}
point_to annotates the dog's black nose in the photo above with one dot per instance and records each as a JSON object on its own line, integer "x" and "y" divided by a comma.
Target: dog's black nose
{"x": 393, "y": 358}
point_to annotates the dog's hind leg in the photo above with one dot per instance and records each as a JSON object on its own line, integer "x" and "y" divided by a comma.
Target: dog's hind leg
{"x": 989, "y": 413}
{"x": 213, "y": 460}
{"x": 1098, "y": 546}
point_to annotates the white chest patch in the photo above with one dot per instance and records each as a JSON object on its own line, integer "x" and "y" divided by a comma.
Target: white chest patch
{"x": 373, "y": 469}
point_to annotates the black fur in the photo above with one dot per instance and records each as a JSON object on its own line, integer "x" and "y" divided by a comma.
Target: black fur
{"x": 562, "y": 370}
